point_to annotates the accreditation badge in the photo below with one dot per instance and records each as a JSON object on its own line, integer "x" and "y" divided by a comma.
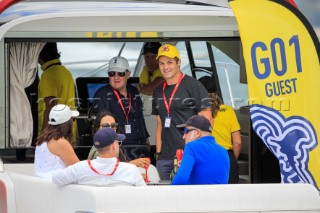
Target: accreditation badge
{"x": 127, "y": 128}
{"x": 167, "y": 122}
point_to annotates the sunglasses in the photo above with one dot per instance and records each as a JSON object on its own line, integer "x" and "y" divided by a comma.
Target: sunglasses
{"x": 120, "y": 143}
{"x": 186, "y": 130}
{"x": 112, "y": 125}
{"x": 120, "y": 74}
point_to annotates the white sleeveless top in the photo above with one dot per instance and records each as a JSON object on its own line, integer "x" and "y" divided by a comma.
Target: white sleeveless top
{"x": 45, "y": 162}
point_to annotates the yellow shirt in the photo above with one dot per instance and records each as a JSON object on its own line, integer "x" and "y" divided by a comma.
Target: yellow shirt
{"x": 144, "y": 76}
{"x": 55, "y": 81}
{"x": 224, "y": 124}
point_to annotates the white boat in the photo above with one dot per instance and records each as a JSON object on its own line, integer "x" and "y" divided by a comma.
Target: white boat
{"x": 208, "y": 39}
{"x": 21, "y": 192}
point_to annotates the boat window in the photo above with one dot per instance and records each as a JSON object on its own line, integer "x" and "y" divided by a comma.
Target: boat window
{"x": 90, "y": 59}
{"x": 185, "y": 63}
{"x": 233, "y": 92}
{"x": 200, "y": 53}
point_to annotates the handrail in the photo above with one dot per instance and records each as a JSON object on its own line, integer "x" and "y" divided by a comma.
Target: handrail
{"x": 229, "y": 86}
{"x": 202, "y": 69}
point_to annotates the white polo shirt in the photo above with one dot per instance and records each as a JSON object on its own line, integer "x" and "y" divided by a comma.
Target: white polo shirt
{"x": 125, "y": 174}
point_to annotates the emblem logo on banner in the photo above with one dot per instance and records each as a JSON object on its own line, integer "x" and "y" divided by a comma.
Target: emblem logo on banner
{"x": 281, "y": 52}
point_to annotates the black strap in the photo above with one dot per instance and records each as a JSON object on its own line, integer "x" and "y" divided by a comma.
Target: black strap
{"x": 58, "y": 63}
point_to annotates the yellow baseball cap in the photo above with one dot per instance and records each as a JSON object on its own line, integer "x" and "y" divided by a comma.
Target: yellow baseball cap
{"x": 169, "y": 51}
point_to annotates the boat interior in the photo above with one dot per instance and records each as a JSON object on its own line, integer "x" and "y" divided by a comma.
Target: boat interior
{"x": 90, "y": 34}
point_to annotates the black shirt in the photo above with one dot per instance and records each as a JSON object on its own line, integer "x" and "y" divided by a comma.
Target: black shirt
{"x": 106, "y": 100}
{"x": 191, "y": 97}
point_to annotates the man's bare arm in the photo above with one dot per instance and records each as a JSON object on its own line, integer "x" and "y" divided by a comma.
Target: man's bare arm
{"x": 147, "y": 89}
{"x": 158, "y": 134}
{"x": 236, "y": 143}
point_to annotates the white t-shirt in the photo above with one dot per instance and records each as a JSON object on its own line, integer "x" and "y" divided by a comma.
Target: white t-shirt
{"x": 45, "y": 162}
{"x": 126, "y": 174}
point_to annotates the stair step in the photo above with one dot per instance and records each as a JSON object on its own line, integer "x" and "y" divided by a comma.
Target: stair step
{"x": 243, "y": 167}
{"x": 244, "y": 179}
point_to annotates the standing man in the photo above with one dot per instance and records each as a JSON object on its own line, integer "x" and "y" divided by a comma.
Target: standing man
{"x": 204, "y": 161}
{"x": 150, "y": 77}
{"x": 105, "y": 170}
{"x": 124, "y": 101}
{"x": 174, "y": 101}
{"x": 56, "y": 85}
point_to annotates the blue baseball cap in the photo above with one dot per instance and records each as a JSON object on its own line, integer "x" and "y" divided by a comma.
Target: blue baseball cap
{"x": 105, "y": 137}
{"x": 199, "y": 122}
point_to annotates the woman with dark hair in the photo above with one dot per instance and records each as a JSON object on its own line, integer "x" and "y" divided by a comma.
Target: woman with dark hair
{"x": 108, "y": 120}
{"x": 54, "y": 145}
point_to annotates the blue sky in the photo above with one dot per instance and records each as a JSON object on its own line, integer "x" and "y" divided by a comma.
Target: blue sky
{"x": 311, "y": 10}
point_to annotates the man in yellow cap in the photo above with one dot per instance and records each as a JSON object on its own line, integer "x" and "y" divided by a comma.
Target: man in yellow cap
{"x": 174, "y": 102}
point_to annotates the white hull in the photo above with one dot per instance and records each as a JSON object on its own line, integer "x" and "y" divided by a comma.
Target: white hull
{"x": 26, "y": 193}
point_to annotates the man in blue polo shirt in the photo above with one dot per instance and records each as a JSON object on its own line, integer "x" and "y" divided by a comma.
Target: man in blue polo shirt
{"x": 204, "y": 161}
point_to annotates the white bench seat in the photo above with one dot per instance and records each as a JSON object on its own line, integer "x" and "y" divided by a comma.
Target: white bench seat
{"x": 26, "y": 193}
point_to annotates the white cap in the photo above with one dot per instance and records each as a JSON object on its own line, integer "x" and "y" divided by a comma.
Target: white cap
{"x": 60, "y": 114}
{"x": 118, "y": 64}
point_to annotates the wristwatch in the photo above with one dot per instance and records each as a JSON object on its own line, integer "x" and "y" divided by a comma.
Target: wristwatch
{"x": 156, "y": 154}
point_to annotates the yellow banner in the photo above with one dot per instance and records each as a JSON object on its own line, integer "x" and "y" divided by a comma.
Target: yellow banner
{"x": 280, "y": 49}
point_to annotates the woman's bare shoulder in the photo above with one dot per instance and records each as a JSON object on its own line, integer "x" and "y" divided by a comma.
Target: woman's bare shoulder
{"x": 56, "y": 145}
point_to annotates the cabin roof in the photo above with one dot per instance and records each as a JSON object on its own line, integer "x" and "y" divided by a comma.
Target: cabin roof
{"x": 99, "y": 16}
{"x": 29, "y": 8}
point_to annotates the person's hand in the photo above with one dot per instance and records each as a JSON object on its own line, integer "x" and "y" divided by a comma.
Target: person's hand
{"x": 144, "y": 176}
{"x": 141, "y": 162}
{"x": 139, "y": 86}
{"x": 156, "y": 155}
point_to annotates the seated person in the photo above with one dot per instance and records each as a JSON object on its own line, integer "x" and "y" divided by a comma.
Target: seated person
{"x": 53, "y": 146}
{"x": 107, "y": 119}
{"x": 150, "y": 76}
{"x": 204, "y": 161}
{"x": 105, "y": 170}
{"x": 226, "y": 128}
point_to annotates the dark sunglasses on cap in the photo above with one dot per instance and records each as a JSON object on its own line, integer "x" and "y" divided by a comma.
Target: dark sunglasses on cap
{"x": 186, "y": 130}
{"x": 120, "y": 74}
{"x": 112, "y": 125}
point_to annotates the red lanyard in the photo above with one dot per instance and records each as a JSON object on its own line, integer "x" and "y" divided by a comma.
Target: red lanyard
{"x": 173, "y": 93}
{"x": 114, "y": 170}
{"x": 121, "y": 104}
